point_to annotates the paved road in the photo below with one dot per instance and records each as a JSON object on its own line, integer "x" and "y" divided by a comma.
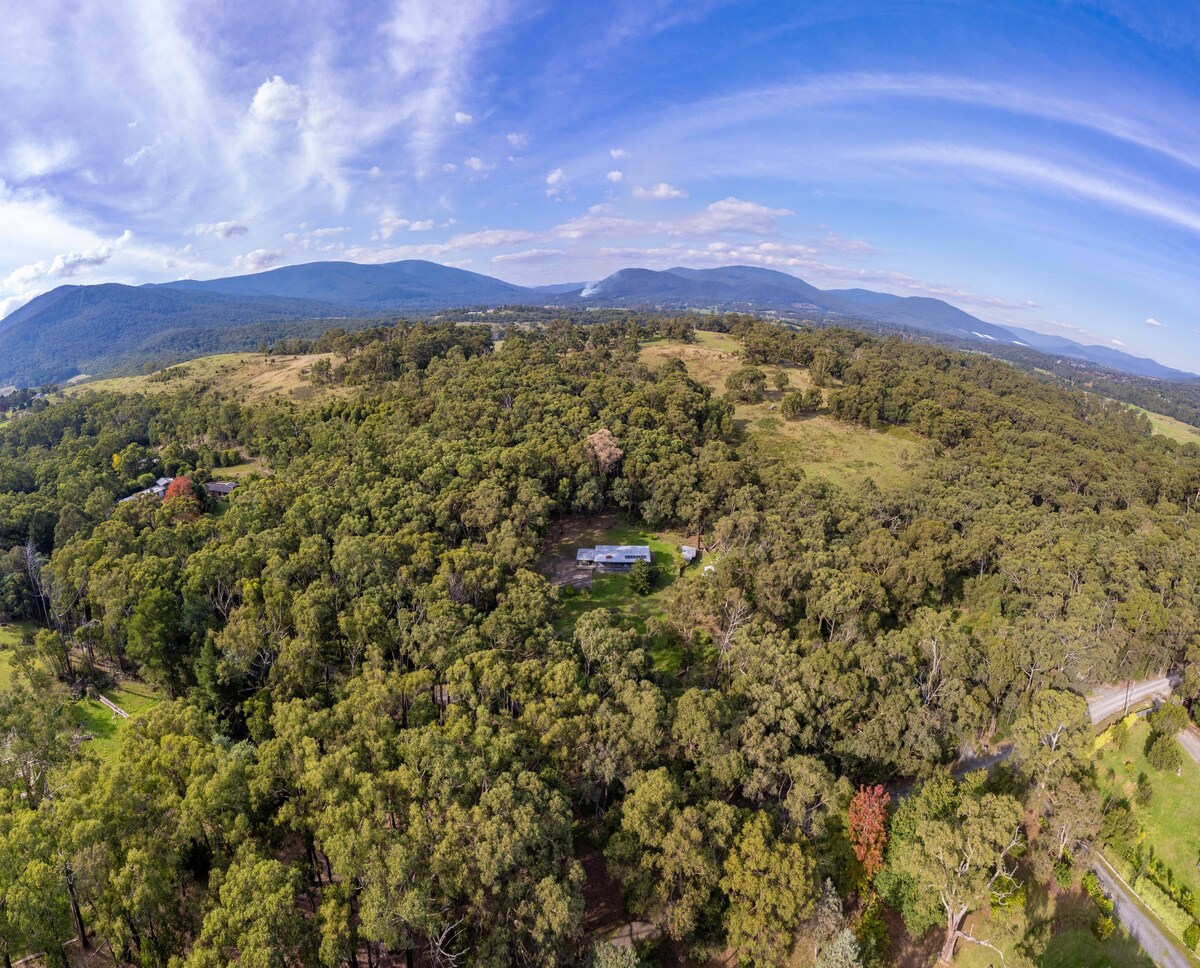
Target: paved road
{"x": 1109, "y": 701}
{"x": 1189, "y": 739}
{"x": 1155, "y": 940}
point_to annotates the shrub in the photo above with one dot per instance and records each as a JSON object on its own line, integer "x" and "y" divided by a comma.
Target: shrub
{"x": 1063, "y": 873}
{"x": 1164, "y": 753}
{"x": 1191, "y": 937}
{"x": 1105, "y": 926}
{"x": 605, "y": 954}
{"x": 1144, "y": 791}
{"x": 747, "y": 384}
{"x": 641, "y": 577}
{"x": 1162, "y": 904}
{"x": 1168, "y": 719}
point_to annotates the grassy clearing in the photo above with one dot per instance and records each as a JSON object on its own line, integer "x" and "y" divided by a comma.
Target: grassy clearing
{"x": 612, "y": 591}
{"x": 1072, "y": 943}
{"x": 1171, "y": 820}
{"x": 103, "y": 724}
{"x": 252, "y": 377}
{"x": 1177, "y": 430}
{"x": 844, "y": 453}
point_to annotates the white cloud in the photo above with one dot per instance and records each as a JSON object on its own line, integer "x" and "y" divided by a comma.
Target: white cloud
{"x": 223, "y": 229}
{"x": 556, "y": 182}
{"x": 517, "y": 139}
{"x": 33, "y": 159}
{"x": 1117, "y": 342}
{"x": 616, "y": 177}
{"x": 450, "y": 167}
{"x": 390, "y": 224}
{"x": 529, "y": 255}
{"x": 1154, "y": 322}
{"x": 434, "y": 47}
{"x": 477, "y": 164}
{"x": 278, "y": 101}
{"x": 1036, "y": 171}
{"x": 728, "y": 215}
{"x": 257, "y": 261}
{"x": 375, "y": 171}
{"x": 619, "y": 153}
{"x": 659, "y": 192}
{"x": 461, "y": 117}
{"x": 62, "y": 266}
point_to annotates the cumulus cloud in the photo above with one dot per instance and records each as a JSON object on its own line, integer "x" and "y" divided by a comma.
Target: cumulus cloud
{"x": 556, "y": 182}
{"x": 661, "y": 191}
{"x": 461, "y": 117}
{"x": 517, "y": 139}
{"x": 222, "y": 229}
{"x": 728, "y": 215}
{"x": 616, "y": 177}
{"x": 257, "y": 260}
{"x": 62, "y": 266}
{"x": 278, "y": 101}
{"x": 450, "y": 167}
{"x": 477, "y": 164}
{"x": 619, "y": 153}
{"x": 1155, "y": 323}
{"x": 390, "y": 224}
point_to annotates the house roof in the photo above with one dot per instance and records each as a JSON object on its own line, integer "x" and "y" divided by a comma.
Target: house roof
{"x": 623, "y": 553}
{"x": 585, "y": 554}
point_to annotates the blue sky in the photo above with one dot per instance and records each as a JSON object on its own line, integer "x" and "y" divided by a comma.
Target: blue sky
{"x": 1035, "y": 163}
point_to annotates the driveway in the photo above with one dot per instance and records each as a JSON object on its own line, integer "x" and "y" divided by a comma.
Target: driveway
{"x": 1159, "y": 945}
{"x": 1109, "y": 701}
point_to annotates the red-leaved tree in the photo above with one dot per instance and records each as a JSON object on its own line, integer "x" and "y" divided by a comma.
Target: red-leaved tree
{"x": 186, "y": 503}
{"x": 179, "y": 487}
{"x": 868, "y": 828}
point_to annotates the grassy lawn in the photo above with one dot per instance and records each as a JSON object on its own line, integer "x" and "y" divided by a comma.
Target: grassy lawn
{"x": 105, "y": 725}
{"x": 612, "y": 591}
{"x": 1071, "y": 944}
{"x": 841, "y": 452}
{"x": 1171, "y": 821}
{"x": 1177, "y": 430}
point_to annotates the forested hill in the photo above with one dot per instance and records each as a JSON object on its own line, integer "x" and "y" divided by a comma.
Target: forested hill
{"x": 384, "y": 736}
{"x": 97, "y": 329}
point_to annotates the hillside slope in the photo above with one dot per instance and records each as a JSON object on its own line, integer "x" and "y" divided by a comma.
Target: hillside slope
{"x": 98, "y": 329}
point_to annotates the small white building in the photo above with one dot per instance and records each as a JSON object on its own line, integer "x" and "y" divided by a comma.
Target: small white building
{"x": 689, "y": 553}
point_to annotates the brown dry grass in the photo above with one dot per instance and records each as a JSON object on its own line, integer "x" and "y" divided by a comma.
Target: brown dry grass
{"x": 251, "y": 377}
{"x": 824, "y": 447}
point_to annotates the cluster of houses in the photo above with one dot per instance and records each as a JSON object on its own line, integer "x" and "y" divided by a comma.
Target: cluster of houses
{"x": 159, "y": 489}
{"x": 623, "y": 557}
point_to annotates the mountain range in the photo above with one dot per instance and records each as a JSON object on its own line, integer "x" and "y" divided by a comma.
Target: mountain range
{"x": 90, "y": 329}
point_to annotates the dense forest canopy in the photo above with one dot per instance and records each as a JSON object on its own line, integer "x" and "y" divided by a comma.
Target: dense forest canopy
{"x": 381, "y": 741}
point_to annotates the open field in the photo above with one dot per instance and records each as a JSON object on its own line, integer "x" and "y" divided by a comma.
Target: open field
{"x": 842, "y": 452}
{"x": 1171, "y": 820}
{"x": 249, "y": 376}
{"x": 1177, "y": 430}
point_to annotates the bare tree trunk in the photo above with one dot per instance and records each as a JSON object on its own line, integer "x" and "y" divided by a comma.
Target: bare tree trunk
{"x": 76, "y": 914}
